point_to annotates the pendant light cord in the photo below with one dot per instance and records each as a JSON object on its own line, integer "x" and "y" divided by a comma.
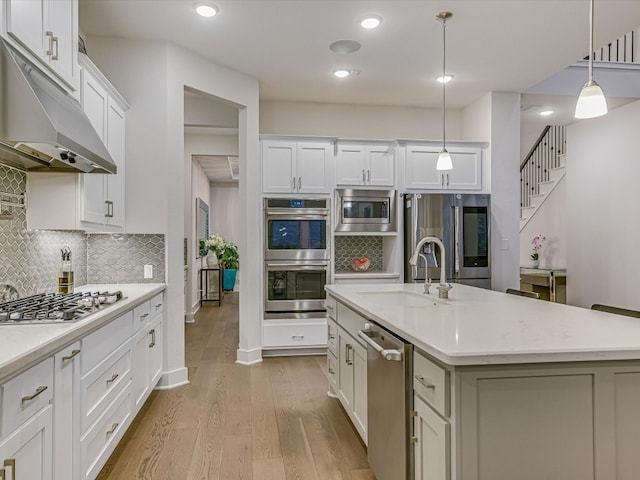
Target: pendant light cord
{"x": 591, "y": 42}
{"x": 444, "y": 83}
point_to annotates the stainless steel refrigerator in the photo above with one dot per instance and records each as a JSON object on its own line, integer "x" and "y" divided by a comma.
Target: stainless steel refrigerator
{"x": 462, "y": 222}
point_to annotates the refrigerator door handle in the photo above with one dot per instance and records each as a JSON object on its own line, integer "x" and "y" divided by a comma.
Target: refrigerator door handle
{"x": 456, "y": 239}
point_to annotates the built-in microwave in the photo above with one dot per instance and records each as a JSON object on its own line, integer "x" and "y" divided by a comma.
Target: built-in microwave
{"x": 365, "y": 210}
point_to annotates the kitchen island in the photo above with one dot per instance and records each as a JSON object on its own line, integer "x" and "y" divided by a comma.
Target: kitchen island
{"x": 507, "y": 387}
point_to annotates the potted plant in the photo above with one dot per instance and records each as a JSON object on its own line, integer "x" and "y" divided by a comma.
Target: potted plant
{"x": 215, "y": 245}
{"x": 230, "y": 262}
{"x": 537, "y": 242}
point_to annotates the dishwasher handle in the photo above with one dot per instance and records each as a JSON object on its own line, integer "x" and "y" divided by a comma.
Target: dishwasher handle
{"x": 391, "y": 355}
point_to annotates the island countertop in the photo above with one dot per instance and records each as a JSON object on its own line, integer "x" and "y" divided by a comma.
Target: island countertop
{"x": 483, "y": 327}
{"x": 22, "y": 345}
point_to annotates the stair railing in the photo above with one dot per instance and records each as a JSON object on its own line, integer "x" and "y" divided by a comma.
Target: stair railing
{"x": 543, "y": 156}
{"x": 622, "y": 50}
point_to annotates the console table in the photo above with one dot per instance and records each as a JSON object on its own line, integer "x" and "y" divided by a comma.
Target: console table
{"x": 209, "y": 293}
{"x": 550, "y": 283}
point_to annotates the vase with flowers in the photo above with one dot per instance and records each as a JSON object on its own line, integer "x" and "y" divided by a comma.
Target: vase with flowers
{"x": 215, "y": 247}
{"x": 537, "y": 242}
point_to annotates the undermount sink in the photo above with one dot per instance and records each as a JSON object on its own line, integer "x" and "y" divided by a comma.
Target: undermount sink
{"x": 399, "y": 298}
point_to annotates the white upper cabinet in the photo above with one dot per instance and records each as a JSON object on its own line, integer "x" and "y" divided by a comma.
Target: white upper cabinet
{"x": 46, "y": 32}
{"x": 420, "y": 168}
{"x": 296, "y": 166}
{"x": 365, "y": 165}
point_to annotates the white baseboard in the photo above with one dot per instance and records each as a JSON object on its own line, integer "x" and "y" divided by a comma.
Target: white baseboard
{"x": 249, "y": 357}
{"x": 189, "y": 318}
{"x": 173, "y": 379}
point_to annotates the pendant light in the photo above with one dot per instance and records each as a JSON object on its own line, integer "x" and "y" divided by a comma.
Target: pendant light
{"x": 591, "y": 102}
{"x": 444, "y": 159}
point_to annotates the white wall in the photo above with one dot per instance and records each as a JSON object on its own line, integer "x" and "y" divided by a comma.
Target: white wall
{"x": 495, "y": 117}
{"x": 603, "y": 170}
{"x": 357, "y": 121}
{"x": 152, "y": 76}
{"x": 224, "y": 198}
{"x": 551, "y": 221}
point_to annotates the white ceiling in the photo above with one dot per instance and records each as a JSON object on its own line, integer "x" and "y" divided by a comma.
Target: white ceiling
{"x": 492, "y": 45}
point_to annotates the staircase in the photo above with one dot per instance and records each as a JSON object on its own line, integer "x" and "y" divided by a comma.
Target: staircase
{"x": 541, "y": 171}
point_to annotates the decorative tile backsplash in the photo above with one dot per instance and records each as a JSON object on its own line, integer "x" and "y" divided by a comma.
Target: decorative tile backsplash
{"x": 349, "y": 247}
{"x": 106, "y": 262}
{"x": 30, "y": 260}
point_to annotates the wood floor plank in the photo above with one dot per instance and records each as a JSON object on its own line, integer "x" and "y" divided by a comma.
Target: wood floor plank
{"x": 270, "y": 421}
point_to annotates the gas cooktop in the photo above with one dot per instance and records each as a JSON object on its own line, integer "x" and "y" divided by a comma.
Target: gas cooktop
{"x": 55, "y": 307}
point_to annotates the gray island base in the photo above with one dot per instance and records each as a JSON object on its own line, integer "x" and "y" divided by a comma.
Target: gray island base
{"x": 503, "y": 387}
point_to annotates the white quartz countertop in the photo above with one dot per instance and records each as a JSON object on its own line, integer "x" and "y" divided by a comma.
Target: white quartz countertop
{"x": 23, "y": 345}
{"x": 482, "y": 327}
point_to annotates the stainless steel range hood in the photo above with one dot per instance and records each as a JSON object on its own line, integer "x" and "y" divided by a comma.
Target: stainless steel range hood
{"x": 42, "y": 127}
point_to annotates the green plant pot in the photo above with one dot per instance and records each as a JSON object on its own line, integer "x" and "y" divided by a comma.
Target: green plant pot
{"x": 229, "y": 280}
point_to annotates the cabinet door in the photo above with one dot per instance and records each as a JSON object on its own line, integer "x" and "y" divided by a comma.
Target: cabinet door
{"x": 278, "y": 167}
{"x": 95, "y": 102}
{"x": 62, "y": 23}
{"x": 314, "y": 167}
{"x": 26, "y": 25}
{"x": 467, "y": 170}
{"x": 115, "y": 146}
{"x": 431, "y": 446}
{"x": 66, "y": 402}
{"x": 360, "y": 389}
{"x": 155, "y": 352}
{"x": 29, "y": 448}
{"x": 380, "y": 166}
{"x": 140, "y": 367}
{"x": 420, "y": 169}
{"x": 350, "y": 165}
{"x": 345, "y": 369}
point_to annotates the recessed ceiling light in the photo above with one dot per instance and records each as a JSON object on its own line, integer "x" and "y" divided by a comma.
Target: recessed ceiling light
{"x": 345, "y": 46}
{"x": 546, "y": 113}
{"x": 206, "y": 9}
{"x": 342, "y": 73}
{"x": 445, "y": 79}
{"x": 371, "y": 21}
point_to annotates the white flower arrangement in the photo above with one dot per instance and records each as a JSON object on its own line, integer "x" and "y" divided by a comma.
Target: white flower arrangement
{"x": 216, "y": 244}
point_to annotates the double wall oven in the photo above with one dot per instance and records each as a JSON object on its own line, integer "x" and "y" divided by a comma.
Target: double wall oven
{"x": 296, "y": 256}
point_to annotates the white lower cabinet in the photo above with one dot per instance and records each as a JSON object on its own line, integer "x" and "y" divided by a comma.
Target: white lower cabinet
{"x": 349, "y": 380}
{"x": 27, "y": 452}
{"x": 147, "y": 358}
{"x": 431, "y": 443}
{"x": 291, "y": 334}
{"x": 66, "y": 428}
{"x": 100, "y": 441}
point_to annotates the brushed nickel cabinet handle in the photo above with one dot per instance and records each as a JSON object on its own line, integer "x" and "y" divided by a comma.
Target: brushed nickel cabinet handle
{"x": 152, "y": 332}
{"x": 299, "y": 183}
{"x": 12, "y": 464}
{"x": 55, "y": 56}
{"x": 74, "y": 353}
{"x": 158, "y": 305}
{"x": 332, "y": 371}
{"x": 363, "y": 177}
{"x": 414, "y": 439}
{"x": 368, "y": 176}
{"x": 331, "y": 337}
{"x": 293, "y": 183}
{"x": 143, "y": 316}
{"x": 422, "y": 380}
{"x": 50, "y": 50}
{"x": 297, "y": 337}
{"x": 113, "y": 378}
{"x": 348, "y": 360}
{"x": 38, "y": 391}
{"x": 112, "y": 429}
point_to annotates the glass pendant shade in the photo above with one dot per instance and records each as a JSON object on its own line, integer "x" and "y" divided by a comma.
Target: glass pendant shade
{"x": 444, "y": 160}
{"x": 591, "y": 102}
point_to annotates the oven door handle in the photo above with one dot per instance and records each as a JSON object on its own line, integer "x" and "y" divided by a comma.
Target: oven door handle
{"x": 294, "y": 266}
{"x": 278, "y": 214}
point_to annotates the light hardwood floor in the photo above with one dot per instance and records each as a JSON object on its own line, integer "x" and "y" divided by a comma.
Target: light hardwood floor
{"x": 270, "y": 421}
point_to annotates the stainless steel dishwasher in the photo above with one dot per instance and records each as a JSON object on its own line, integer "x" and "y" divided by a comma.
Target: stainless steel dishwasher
{"x": 389, "y": 386}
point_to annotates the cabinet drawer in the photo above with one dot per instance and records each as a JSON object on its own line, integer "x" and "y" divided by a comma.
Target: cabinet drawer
{"x": 101, "y": 440}
{"x": 351, "y": 321}
{"x": 284, "y": 333}
{"x": 332, "y": 371}
{"x": 98, "y": 345}
{"x": 332, "y": 336}
{"x": 156, "y": 304}
{"x": 331, "y": 305}
{"x": 431, "y": 382}
{"x": 26, "y": 394}
{"x": 141, "y": 315}
{"x": 101, "y": 385}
